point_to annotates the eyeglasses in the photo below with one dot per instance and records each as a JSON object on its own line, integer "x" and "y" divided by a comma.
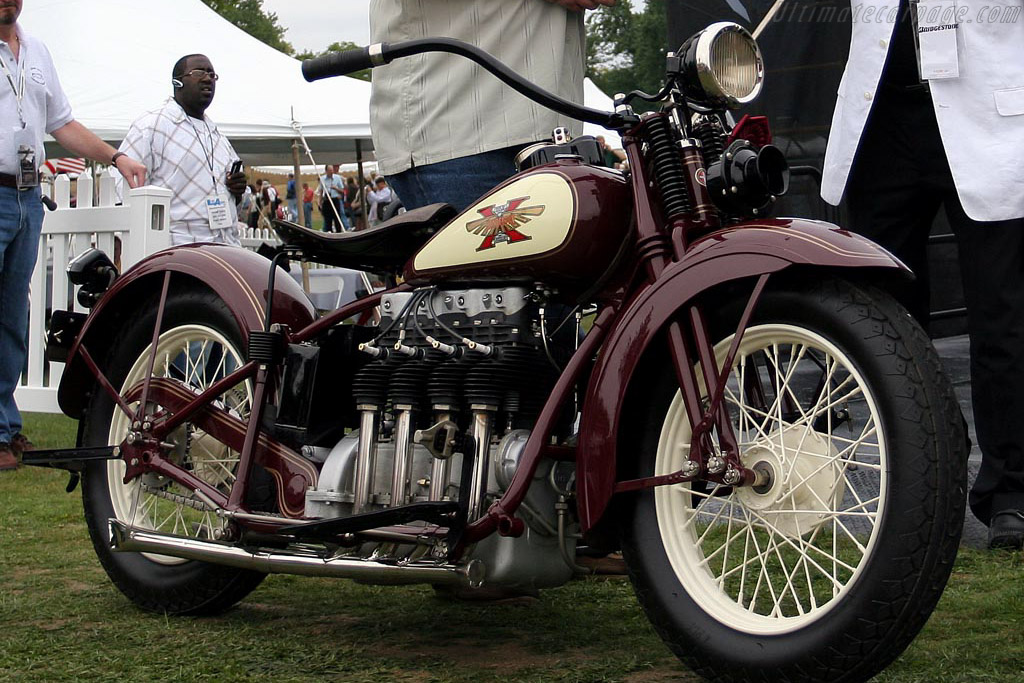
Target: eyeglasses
{"x": 200, "y": 74}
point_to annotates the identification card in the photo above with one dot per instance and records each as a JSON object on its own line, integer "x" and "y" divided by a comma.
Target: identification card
{"x": 217, "y": 209}
{"x": 936, "y": 36}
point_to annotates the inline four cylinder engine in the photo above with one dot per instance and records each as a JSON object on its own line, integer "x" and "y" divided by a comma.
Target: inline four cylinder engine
{"x": 456, "y": 380}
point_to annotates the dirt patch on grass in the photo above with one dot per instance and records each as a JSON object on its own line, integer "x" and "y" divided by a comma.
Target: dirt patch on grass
{"x": 512, "y": 658}
{"x": 37, "y": 571}
{"x": 474, "y": 654}
{"x": 279, "y": 610}
{"x": 333, "y": 624}
{"x": 52, "y": 625}
{"x": 662, "y": 675}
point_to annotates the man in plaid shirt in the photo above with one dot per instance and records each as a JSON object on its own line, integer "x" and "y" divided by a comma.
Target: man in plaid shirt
{"x": 185, "y": 153}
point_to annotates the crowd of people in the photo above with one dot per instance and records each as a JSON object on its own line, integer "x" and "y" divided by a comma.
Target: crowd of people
{"x": 336, "y": 198}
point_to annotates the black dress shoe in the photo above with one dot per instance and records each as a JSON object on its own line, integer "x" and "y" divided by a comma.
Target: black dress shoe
{"x": 1006, "y": 530}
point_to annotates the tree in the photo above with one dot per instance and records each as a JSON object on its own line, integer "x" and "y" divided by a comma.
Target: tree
{"x": 626, "y": 49}
{"x": 363, "y": 75}
{"x": 250, "y": 16}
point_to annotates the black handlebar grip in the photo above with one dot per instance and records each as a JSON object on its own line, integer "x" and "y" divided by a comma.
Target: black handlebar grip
{"x": 337, "y": 64}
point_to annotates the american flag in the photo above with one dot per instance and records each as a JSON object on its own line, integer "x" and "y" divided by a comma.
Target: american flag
{"x": 73, "y": 166}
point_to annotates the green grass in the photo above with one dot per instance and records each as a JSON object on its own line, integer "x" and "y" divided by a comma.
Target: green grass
{"x": 62, "y": 620}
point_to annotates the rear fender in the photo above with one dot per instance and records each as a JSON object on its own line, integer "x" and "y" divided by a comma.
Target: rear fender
{"x": 238, "y": 276}
{"x": 745, "y": 250}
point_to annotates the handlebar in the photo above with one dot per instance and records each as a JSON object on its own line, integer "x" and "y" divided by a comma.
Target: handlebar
{"x": 337, "y": 64}
{"x": 378, "y": 54}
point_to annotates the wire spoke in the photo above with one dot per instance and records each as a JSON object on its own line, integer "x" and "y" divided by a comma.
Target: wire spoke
{"x": 196, "y": 356}
{"x": 788, "y": 549}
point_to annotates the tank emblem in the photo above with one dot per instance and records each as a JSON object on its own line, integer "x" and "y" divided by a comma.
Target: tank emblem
{"x": 531, "y": 215}
{"x": 501, "y": 222}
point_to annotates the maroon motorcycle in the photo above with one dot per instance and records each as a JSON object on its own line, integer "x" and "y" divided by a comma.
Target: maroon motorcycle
{"x": 639, "y": 360}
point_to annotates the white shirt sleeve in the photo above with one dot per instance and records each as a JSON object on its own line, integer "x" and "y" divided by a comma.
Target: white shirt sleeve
{"x": 58, "y": 109}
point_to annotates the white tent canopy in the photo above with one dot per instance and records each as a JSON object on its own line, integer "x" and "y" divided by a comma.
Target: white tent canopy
{"x": 115, "y": 57}
{"x": 595, "y": 98}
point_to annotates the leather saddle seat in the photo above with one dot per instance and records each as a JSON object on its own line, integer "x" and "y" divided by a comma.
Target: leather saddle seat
{"x": 384, "y": 247}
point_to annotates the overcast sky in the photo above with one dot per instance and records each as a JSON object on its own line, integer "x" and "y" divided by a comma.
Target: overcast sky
{"x": 315, "y": 24}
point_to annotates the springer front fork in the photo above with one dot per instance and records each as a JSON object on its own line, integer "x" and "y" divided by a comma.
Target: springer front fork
{"x": 675, "y": 192}
{"x": 714, "y": 453}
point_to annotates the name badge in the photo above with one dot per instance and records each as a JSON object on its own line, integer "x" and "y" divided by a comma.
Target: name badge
{"x": 217, "y": 209}
{"x": 937, "y": 24}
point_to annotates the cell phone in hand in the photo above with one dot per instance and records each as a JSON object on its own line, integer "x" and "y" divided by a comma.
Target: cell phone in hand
{"x": 236, "y": 167}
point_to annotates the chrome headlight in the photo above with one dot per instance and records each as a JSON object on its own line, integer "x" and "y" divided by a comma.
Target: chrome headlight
{"x": 721, "y": 66}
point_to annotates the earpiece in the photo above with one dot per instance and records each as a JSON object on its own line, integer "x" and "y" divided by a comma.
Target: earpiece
{"x": 176, "y": 83}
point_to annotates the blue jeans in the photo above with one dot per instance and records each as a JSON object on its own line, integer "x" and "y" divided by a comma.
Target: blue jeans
{"x": 293, "y": 206}
{"x": 307, "y": 214}
{"x": 342, "y": 215}
{"x": 21, "y": 221}
{"x": 459, "y": 182}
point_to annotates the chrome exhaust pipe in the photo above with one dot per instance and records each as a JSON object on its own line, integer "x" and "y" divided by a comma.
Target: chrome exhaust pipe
{"x": 481, "y": 460}
{"x": 366, "y": 458}
{"x": 124, "y": 538}
{"x": 403, "y": 456}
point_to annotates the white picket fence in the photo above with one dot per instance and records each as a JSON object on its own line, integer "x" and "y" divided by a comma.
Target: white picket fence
{"x": 140, "y": 226}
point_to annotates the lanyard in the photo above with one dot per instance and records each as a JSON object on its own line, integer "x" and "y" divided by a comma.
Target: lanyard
{"x": 207, "y": 154}
{"x": 19, "y": 89}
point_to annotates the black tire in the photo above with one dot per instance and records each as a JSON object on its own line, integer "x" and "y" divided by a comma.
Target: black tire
{"x": 891, "y": 558}
{"x": 155, "y": 583}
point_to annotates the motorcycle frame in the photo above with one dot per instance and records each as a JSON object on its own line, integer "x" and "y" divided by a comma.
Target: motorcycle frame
{"x": 661, "y": 247}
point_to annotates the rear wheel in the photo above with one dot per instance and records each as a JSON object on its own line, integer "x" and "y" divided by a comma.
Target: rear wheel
{"x": 201, "y": 343}
{"x": 828, "y": 570}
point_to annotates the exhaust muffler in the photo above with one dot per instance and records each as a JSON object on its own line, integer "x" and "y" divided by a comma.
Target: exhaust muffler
{"x": 306, "y": 562}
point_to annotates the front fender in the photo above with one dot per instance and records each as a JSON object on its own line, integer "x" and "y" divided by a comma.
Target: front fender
{"x": 744, "y": 250}
{"x": 238, "y": 276}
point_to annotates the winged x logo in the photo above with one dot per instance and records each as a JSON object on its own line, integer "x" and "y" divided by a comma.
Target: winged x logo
{"x": 501, "y": 222}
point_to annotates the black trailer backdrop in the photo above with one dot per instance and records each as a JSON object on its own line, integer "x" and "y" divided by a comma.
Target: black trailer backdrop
{"x": 805, "y": 47}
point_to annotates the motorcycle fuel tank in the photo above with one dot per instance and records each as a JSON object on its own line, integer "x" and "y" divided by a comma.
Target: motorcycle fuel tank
{"x": 562, "y": 223}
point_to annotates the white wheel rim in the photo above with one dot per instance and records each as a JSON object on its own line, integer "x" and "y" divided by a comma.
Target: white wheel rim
{"x": 155, "y": 503}
{"x": 773, "y": 562}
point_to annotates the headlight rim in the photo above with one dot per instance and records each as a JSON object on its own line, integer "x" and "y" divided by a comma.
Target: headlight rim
{"x": 702, "y": 65}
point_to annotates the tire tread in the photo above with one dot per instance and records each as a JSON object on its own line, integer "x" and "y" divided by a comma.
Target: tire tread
{"x": 927, "y": 408}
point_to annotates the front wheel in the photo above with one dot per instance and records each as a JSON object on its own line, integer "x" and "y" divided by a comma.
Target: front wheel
{"x": 828, "y": 570}
{"x": 199, "y": 343}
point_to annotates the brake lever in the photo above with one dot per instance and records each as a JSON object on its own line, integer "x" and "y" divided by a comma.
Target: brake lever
{"x": 641, "y": 95}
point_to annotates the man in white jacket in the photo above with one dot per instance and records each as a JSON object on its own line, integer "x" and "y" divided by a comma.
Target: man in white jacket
{"x": 939, "y": 123}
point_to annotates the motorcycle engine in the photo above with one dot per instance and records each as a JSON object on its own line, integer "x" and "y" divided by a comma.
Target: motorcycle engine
{"x": 457, "y": 376}
{"x": 449, "y": 349}
{"x": 446, "y": 356}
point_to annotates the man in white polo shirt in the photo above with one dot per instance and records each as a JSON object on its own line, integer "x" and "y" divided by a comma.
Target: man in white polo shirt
{"x": 32, "y": 103}
{"x": 187, "y": 154}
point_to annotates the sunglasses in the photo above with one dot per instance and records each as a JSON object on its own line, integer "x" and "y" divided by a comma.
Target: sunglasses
{"x": 200, "y": 74}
